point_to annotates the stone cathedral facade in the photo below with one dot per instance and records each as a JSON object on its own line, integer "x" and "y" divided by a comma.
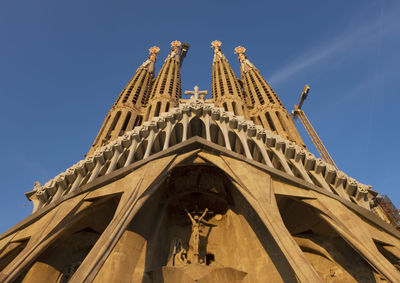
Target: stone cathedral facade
{"x": 200, "y": 190}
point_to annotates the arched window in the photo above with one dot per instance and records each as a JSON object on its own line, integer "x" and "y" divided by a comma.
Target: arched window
{"x": 126, "y": 122}
{"x": 148, "y": 113}
{"x": 157, "y": 111}
{"x": 270, "y": 122}
{"x": 234, "y": 108}
{"x": 283, "y": 124}
{"x": 225, "y": 106}
{"x": 114, "y": 123}
{"x": 138, "y": 121}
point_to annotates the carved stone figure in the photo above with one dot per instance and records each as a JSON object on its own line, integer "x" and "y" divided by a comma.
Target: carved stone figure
{"x": 196, "y": 222}
{"x": 279, "y": 213}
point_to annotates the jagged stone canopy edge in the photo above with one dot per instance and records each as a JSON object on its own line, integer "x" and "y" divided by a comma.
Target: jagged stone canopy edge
{"x": 202, "y": 145}
{"x": 286, "y": 151}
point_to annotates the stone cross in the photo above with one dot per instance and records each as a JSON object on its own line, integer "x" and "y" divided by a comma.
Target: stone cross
{"x": 196, "y": 92}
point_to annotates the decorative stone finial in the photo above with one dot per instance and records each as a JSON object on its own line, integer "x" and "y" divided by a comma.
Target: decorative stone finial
{"x": 175, "y": 45}
{"x": 153, "y": 53}
{"x": 240, "y": 50}
{"x": 216, "y": 44}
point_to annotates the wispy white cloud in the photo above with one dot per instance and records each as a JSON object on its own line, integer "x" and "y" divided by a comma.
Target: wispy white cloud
{"x": 364, "y": 32}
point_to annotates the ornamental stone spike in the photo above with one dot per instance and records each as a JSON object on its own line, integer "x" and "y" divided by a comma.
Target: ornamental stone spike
{"x": 175, "y": 48}
{"x": 153, "y": 53}
{"x": 216, "y": 44}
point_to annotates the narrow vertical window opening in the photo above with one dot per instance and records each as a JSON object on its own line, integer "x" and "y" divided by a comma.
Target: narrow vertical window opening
{"x": 270, "y": 122}
{"x": 281, "y": 120}
{"x": 157, "y": 111}
{"x": 126, "y": 122}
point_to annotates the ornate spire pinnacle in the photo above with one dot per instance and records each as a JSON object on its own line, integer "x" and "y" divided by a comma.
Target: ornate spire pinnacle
{"x": 216, "y": 44}
{"x": 240, "y": 50}
{"x": 153, "y": 53}
{"x": 166, "y": 90}
{"x": 226, "y": 90}
{"x": 245, "y": 64}
{"x": 149, "y": 63}
{"x": 175, "y": 47}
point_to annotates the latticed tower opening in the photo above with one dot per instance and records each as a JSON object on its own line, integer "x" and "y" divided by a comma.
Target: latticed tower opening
{"x": 202, "y": 190}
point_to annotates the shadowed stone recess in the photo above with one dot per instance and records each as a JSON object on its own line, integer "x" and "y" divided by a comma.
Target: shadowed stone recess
{"x": 200, "y": 190}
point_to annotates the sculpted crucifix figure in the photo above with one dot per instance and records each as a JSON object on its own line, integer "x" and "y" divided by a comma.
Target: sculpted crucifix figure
{"x": 196, "y": 92}
{"x": 196, "y": 221}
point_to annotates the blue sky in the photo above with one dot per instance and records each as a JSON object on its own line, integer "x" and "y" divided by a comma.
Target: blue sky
{"x": 63, "y": 63}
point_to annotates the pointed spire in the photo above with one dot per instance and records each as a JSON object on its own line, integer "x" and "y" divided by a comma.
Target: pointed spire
{"x": 175, "y": 48}
{"x": 168, "y": 82}
{"x": 266, "y": 107}
{"x": 167, "y": 88}
{"x": 125, "y": 113}
{"x": 216, "y": 44}
{"x": 226, "y": 90}
{"x": 255, "y": 86}
{"x": 140, "y": 79}
{"x": 149, "y": 63}
{"x": 245, "y": 64}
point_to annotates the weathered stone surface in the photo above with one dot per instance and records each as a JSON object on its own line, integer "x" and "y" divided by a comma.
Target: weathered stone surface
{"x": 176, "y": 190}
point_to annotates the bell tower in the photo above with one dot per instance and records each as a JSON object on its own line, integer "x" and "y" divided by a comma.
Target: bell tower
{"x": 265, "y": 107}
{"x": 167, "y": 88}
{"x": 226, "y": 90}
{"x": 125, "y": 114}
{"x": 198, "y": 194}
